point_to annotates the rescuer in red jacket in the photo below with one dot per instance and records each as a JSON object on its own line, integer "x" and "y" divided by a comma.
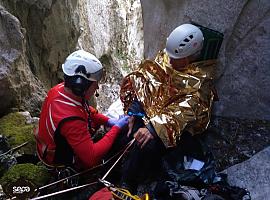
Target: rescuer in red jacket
{"x": 67, "y": 121}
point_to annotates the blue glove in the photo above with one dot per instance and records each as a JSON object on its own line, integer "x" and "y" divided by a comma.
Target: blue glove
{"x": 122, "y": 122}
{"x": 111, "y": 122}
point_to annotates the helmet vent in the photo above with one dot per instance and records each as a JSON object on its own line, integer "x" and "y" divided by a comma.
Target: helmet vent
{"x": 80, "y": 69}
{"x": 184, "y": 41}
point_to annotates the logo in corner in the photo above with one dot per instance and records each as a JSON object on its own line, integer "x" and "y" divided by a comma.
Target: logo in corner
{"x": 21, "y": 189}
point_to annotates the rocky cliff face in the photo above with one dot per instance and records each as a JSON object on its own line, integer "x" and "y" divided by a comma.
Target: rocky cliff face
{"x": 51, "y": 32}
{"x": 242, "y": 75}
{"x": 18, "y": 86}
{"x": 38, "y": 35}
{"x": 114, "y": 31}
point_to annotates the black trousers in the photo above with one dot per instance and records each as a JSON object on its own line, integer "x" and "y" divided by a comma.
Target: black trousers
{"x": 140, "y": 164}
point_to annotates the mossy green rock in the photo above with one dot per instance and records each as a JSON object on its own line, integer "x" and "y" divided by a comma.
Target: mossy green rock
{"x": 38, "y": 175}
{"x": 14, "y": 127}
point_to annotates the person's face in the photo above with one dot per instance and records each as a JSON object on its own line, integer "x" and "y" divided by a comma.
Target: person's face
{"x": 179, "y": 64}
{"x": 91, "y": 90}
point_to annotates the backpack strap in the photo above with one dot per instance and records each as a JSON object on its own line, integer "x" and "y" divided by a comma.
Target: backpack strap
{"x": 64, "y": 154}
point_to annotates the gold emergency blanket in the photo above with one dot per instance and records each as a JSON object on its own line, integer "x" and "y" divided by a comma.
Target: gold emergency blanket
{"x": 173, "y": 100}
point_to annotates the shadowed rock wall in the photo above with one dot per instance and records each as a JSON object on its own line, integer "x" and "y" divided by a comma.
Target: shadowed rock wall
{"x": 36, "y": 36}
{"x": 18, "y": 86}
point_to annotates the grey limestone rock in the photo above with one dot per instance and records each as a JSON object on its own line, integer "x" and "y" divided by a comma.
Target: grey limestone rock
{"x": 253, "y": 174}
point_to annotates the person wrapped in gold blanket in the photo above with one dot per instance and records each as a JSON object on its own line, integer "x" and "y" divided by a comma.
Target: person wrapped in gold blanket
{"x": 175, "y": 90}
{"x": 168, "y": 96}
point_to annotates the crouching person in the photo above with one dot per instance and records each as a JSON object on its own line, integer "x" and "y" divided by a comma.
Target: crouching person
{"x": 67, "y": 123}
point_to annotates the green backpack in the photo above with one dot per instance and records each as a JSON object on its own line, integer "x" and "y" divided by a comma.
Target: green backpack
{"x": 212, "y": 42}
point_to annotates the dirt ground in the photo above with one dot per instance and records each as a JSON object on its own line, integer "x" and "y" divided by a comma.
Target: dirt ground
{"x": 234, "y": 140}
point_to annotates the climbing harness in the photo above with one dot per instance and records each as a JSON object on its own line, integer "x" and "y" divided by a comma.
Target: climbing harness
{"x": 67, "y": 172}
{"x": 64, "y": 179}
{"x": 93, "y": 183}
{"x": 121, "y": 193}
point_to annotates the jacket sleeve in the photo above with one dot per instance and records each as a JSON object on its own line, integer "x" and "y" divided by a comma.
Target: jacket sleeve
{"x": 98, "y": 118}
{"x": 87, "y": 153}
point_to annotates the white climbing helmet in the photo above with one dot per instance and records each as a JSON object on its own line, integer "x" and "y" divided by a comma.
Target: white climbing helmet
{"x": 184, "y": 41}
{"x": 78, "y": 61}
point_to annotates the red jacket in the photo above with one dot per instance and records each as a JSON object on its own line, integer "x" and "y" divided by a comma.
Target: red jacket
{"x": 63, "y": 131}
